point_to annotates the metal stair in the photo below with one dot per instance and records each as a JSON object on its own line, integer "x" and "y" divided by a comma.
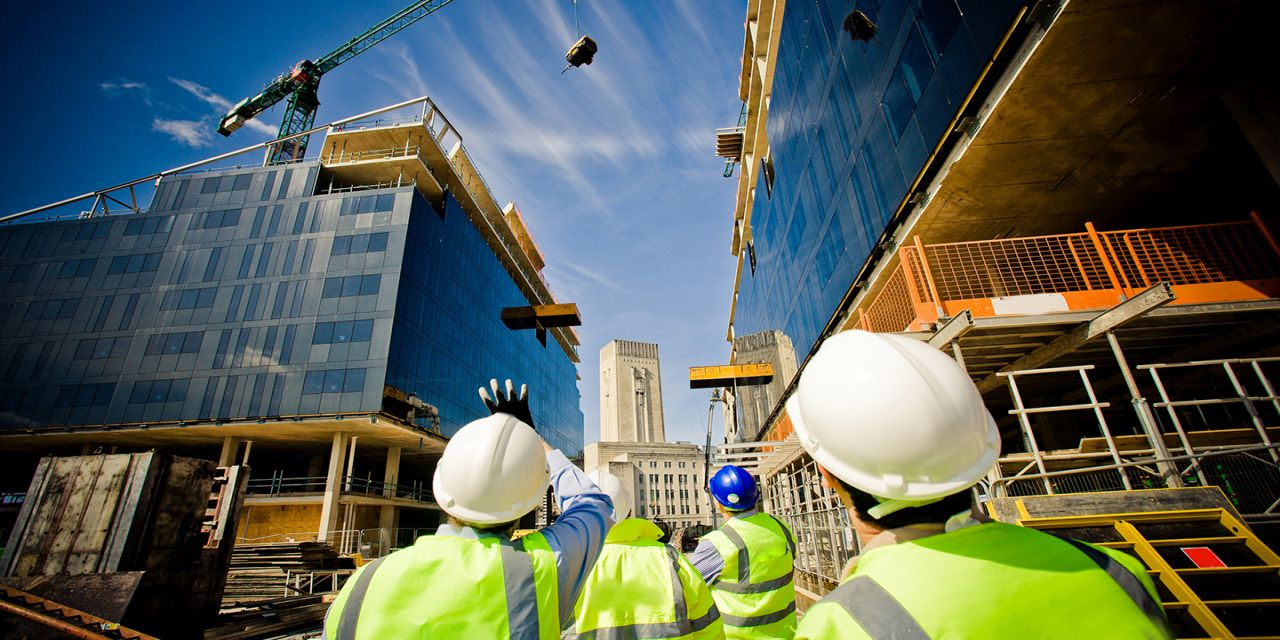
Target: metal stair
{"x": 1216, "y": 579}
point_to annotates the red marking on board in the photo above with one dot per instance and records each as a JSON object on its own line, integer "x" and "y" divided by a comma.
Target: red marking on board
{"x": 1203, "y": 557}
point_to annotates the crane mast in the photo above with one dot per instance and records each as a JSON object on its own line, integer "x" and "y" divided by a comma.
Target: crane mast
{"x": 301, "y": 84}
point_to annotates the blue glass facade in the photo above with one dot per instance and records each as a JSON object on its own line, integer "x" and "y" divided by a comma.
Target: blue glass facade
{"x": 241, "y": 294}
{"x": 850, "y": 125}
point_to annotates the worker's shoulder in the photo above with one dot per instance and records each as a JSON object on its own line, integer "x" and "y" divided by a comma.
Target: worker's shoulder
{"x": 829, "y": 618}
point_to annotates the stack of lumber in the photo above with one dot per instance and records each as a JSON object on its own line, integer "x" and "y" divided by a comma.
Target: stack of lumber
{"x": 259, "y": 572}
{"x": 271, "y": 619}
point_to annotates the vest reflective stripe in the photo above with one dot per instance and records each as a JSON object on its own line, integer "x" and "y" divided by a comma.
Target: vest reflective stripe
{"x": 351, "y": 609}
{"x": 416, "y": 590}
{"x": 522, "y": 597}
{"x": 624, "y": 596}
{"x": 955, "y": 583}
{"x": 1128, "y": 582}
{"x": 677, "y": 591}
{"x": 546, "y": 585}
{"x": 876, "y": 610}
{"x": 759, "y": 621}
{"x": 755, "y": 592}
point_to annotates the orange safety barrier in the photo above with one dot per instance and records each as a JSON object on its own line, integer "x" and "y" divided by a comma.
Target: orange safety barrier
{"x": 1074, "y": 272}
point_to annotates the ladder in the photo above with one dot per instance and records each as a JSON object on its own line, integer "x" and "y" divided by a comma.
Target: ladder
{"x": 1217, "y": 580}
{"x": 70, "y": 621}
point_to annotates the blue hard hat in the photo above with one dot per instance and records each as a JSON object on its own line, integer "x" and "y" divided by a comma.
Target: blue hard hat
{"x": 734, "y": 488}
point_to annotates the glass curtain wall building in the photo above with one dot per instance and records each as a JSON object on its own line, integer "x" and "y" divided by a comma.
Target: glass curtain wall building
{"x": 241, "y": 295}
{"x": 849, "y": 126}
{"x": 333, "y": 317}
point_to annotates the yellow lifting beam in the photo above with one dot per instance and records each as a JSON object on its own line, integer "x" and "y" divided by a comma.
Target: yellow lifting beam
{"x": 730, "y": 375}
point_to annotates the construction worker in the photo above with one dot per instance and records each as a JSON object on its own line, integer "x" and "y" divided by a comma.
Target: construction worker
{"x": 748, "y": 562}
{"x": 900, "y": 433}
{"x": 640, "y": 587}
{"x": 470, "y": 580}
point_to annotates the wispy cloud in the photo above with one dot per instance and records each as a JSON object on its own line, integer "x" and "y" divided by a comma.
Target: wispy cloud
{"x": 204, "y": 94}
{"x": 125, "y": 86}
{"x": 192, "y": 133}
{"x": 406, "y": 79}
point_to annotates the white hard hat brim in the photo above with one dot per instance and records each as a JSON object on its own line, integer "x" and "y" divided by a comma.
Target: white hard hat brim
{"x": 845, "y": 431}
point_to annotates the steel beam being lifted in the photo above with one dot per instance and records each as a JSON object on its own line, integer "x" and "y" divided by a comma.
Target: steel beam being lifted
{"x": 730, "y": 375}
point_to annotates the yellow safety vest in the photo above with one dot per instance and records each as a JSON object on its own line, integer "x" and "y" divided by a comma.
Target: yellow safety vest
{"x": 755, "y": 591}
{"x": 641, "y": 588}
{"x": 449, "y": 587}
{"x": 992, "y": 581}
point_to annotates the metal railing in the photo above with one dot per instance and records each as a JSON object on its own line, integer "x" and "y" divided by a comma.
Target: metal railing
{"x": 1093, "y": 270}
{"x": 342, "y": 155}
{"x": 279, "y": 484}
{"x": 1250, "y": 480}
{"x": 1249, "y": 402}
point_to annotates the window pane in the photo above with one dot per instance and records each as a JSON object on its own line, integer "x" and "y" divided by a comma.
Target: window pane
{"x": 378, "y": 242}
{"x": 341, "y": 245}
{"x": 141, "y": 390}
{"x": 323, "y": 334}
{"x": 350, "y": 286}
{"x": 354, "y": 382}
{"x": 178, "y": 391}
{"x": 210, "y": 185}
{"x": 313, "y": 383}
{"x": 332, "y": 288}
{"x": 362, "y": 331}
{"x": 386, "y": 202}
{"x": 360, "y": 244}
{"x": 333, "y": 381}
{"x": 369, "y": 284}
{"x": 342, "y": 331}
{"x": 242, "y": 182}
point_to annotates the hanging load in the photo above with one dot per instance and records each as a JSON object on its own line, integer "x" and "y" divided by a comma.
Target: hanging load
{"x": 581, "y": 52}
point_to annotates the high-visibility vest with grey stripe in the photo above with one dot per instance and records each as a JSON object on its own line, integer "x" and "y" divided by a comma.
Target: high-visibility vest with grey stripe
{"x": 450, "y": 587}
{"x": 641, "y": 588}
{"x": 755, "y": 591}
{"x": 992, "y": 581}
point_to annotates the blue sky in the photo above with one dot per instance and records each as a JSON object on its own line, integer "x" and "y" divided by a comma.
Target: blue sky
{"x": 611, "y": 164}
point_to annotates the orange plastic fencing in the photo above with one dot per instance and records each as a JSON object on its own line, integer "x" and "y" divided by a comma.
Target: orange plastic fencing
{"x": 1122, "y": 261}
{"x": 1198, "y": 254}
{"x": 892, "y": 310}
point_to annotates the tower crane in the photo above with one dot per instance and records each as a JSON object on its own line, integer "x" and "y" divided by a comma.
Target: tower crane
{"x": 300, "y": 84}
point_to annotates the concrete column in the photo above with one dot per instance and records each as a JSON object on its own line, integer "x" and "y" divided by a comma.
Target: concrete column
{"x": 391, "y": 476}
{"x": 230, "y": 445}
{"x": 248, "y": 445}
{"x": 332, "y": 488}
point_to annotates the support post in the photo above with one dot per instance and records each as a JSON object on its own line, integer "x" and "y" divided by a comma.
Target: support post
{"x": 351, "y": 462}
{"x": 332, "y": 488}
{"x": 1145, "y": 418}
{"x": 391, "y": 476}
{"x": 230, "y": 445}
{"x": 248, "y": 446}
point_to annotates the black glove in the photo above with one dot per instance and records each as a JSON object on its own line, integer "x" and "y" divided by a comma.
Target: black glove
{"x": 508, "y": 403}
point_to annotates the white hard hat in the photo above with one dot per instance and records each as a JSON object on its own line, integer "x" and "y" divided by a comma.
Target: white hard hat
{"x": 893, "y": 417}
{"x": 493, "y": 470}
{"x": 612, "y": 485}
